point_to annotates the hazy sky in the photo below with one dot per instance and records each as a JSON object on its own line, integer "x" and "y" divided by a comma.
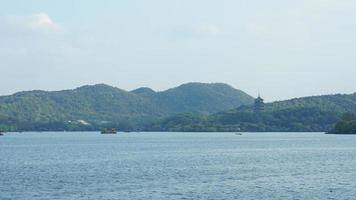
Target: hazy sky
{"x": 279, "y": 48}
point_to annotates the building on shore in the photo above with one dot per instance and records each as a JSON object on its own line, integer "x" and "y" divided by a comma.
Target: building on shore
{"x": 259, "y": 105}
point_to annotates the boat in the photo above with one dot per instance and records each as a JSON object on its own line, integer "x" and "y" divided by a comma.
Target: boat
{"x": 1, "y": 133}
{"x": 109, "y": 131}
{"x": 238, "y": 133}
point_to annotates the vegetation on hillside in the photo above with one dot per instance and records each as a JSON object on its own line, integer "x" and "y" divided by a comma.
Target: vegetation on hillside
{"x": 297, "y": 119}
{"x": 347, "y": 125}
{"x": 189, "y": 107}
{"x": 101, "y": 106}
{"x": 201, "y": 98}
{"x": 319, "y": 113}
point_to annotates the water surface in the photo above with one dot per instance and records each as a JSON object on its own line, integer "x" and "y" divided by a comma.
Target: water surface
{"x": 89, "y": 165}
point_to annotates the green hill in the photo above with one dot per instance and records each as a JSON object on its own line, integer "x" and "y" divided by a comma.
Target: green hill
{"x": 78, "y": 108}
{"x": 144, "y": 91}
{"x": 318, "y": 113}
{"x": 189, "y": 107}
{"x": 339, "y": 103}
{"x": 93, "y": 107}
{"x": 347, "y": 125}
{"x": 201, "y": 98}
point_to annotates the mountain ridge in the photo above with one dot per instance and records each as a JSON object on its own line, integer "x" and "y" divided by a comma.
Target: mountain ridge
{"x": 101, "y": 103}
{"x": 188, "y": 107}
{"x": 316, "y": 113}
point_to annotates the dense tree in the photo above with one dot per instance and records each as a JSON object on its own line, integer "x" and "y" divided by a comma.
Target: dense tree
{"x": 94, "y": 107}
{"x": 347, "y": 124}
{"x": 319, "y": 113}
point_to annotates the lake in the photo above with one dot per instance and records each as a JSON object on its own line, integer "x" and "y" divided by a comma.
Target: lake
{"x": 88, "y": 165}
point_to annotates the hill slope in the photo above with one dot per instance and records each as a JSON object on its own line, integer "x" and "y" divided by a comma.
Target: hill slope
{"x": 90, "y": 107}
{"x": 331, "y": 103}
{"x": 318, "y": 113}
{"x": 98, "y": 104}
{"x": 201, "y": 98}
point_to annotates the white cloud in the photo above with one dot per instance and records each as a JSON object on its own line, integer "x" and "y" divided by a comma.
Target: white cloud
{"x": 38, "y": 22}
{"x": 34, "y": 35}
{"x": 41, "y": 21}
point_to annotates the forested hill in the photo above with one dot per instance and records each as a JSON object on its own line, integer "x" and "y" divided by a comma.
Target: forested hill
{"x": 197, "y": 98}
{"x": 318, "y": 113}
{"x": 96, "y": 106}
{"x": 339, "y": 103}
{"x": 189, "y": 107}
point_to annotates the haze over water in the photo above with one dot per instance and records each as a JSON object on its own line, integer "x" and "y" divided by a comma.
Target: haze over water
{"x": 177, "y": 166}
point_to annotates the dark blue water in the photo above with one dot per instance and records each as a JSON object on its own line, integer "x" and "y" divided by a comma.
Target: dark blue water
{"x": 177, "y": 166}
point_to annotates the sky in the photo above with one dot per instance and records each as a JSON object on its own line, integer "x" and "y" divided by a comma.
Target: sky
{"x": 280, "y": 49}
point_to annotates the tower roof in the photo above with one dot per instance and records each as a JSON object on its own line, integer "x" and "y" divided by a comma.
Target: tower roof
{"x": 259, "y": 98}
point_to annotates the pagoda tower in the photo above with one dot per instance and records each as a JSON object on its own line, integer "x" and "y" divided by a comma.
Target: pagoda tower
{"x": 259, "y": 105}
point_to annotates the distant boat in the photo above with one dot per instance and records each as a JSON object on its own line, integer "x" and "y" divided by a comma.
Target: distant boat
{"x": 238, "y": 133}
{"x": 1, "y": 133}
{"x": 109, "y": 131}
